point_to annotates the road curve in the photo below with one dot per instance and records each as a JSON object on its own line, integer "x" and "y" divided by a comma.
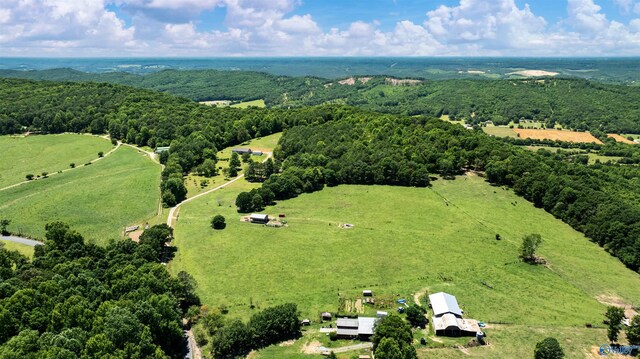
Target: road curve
{"x": 173, "y": 210}
{"x": 21, "y": 240}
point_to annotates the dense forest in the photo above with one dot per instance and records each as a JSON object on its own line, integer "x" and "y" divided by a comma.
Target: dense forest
{"x": 574, "y": 103}
{"x": 79, "y": 300}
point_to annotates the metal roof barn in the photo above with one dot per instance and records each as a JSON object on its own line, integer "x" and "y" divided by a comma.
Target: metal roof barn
{"x": 443, "y": 303}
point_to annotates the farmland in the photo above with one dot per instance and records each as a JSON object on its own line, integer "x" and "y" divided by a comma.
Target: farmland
{"x": 500, "y": 131}
{"x": 96, "y": 200}
{"x": 559, "y": 135}
{"x": 48, "y": 153}
{"x": 254, "y": 103}
{"x": 396, "y": 248}
{"x": 622, "y": 139}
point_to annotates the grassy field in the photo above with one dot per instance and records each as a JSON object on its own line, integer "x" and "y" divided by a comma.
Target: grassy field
{"x": 593, "y": 156}
{"x": 193, "y": 181}
{"x": 559, "y": 135}
{"x": 500, "y": 131}
{"x": 97, "y": 200}
{"x": 47, "y": 153}
{"x": 254, "y": 103}
{"x": 405, "y": 240}
{"x": 22, "y": 248}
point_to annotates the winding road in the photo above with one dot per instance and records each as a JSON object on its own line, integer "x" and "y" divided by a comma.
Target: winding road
{"x": 21, "y": 240}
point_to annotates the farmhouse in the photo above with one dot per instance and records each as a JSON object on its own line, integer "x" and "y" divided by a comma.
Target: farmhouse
{"x": 361, "y": 327}
{"x": 447, "y": 317}
{"x": 259, "y": 218}
{"x": 241, "y": 151}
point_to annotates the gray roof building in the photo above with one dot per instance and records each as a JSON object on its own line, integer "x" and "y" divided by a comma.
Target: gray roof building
{"x": 360, "y": 327}
{"x": 443, "y": 303}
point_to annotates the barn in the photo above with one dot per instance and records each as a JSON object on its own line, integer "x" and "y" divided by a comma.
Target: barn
{"x": 259, "y": 218}
{"x": 447, "y": 317}
{"x": 361, "y": 327}
{"x": 241, "y": 151}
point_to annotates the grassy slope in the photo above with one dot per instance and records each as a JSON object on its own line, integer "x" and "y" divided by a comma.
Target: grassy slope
{"x": 404, "y": 239}
{"x": 22, "y": 248}
{"x": 256, "y": 103}
{"x": 97, "y": 200}
{"x": 48, "y": 153}
{"x": 500, "y": 131}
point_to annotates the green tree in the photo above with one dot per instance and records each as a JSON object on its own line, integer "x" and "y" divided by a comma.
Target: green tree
{"x": 614, "y": 316}
{"x": 388, "y": 348}
{"x": 29, "y": 177}
{"x": 416, "y": 316}
{"x": 244, "y": 202}
{"x": 4, "y": 223}
{"x": 392, "y": 332}
{"x": 633, "y": 331}
{"x": 548, "y": 348}
{"x": 257, "y": 202}
{"x": 208, "y": 168}
{"x": 234, "y": 161}
{"x": 176, "y": 187}
{"x": 100, "y": 154}
{"x": 218, "y": 222}
{"x": 246, "y": 157}
{"x": 232, "y": 341}
{"x": 530, "y": 244}
{"x": 275, "y": 324}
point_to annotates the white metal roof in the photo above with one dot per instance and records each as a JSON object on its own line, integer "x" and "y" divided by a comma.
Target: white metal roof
{"x": 259, "y": 216}
{"x": 443, "y": 303}
{"x": 347, "y": 323}
{"x": 365, "y": 325}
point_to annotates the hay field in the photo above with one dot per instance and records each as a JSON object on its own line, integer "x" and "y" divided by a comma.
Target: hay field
{"x": 621, "y": 139}
{"x": 556, "y": 135}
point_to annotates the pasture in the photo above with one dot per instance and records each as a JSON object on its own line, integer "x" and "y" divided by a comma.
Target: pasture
{"x": 499, "y": 131}
{"x": 405, "y": 240}
{"x": 24, "y": 249}
{"x": 556, "y": 135}
{"x": 254, "y": 103}
{"x": 97, "y": 200}
{"x": 35, "y": 154}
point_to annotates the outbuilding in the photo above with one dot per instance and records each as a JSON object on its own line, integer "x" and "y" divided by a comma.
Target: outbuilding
{"x": 259, "y": 218}
{"x": 367, "y": 293}
{"x": 361, "y": 327}
{"x": 241, "y": 151}
{"x": 443, "y": 303}
{"x": 256, "y": 153}
{"x": 325, "y": 316}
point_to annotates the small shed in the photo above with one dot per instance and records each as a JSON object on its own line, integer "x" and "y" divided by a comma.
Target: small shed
{"x": 325, "y": 316}
{"x": 256, "y": 153}
{"x": 259, "y": 218}
{"x": 367, "y": 293}
{"x": 162, "y": 149}
{"x": 241, "y": 151}
{"x": 381, "y": 314}
{"x": 306, "y": 322}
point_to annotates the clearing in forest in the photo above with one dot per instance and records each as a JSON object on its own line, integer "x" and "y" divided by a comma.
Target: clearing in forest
{"x": 621, "y": 139}
{"x": 556, "y": 135}
{"x": 35, "y": 154}
{"x": 98, "y": 200}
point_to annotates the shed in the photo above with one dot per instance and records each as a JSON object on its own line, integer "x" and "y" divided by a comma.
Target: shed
{"x": 241, "y": 150}
{"x": 256, "y": 153}
{"x": 381, "y": 314}
{"x": 366, "y": 326}
{"x": 162, "y": 149}
{"x": 326, "y": 316}
{"x": 443, "y": 303}
{"x": 367, "y": 293}
{"x": 259, "y": 218}
{"x": 306, "y": 322}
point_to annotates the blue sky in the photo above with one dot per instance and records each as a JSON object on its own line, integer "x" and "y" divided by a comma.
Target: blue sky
{"x": 320, "y": 28}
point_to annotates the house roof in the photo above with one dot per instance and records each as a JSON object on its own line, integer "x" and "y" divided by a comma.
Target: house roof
{"x": 347, "y": 323}
{"x": 450, "y": 321}
{"x": 347, "y": 332}
{"x": 443, "y": 303}
{"x": 365, "y": 325}
{"x": 259, "y": 216}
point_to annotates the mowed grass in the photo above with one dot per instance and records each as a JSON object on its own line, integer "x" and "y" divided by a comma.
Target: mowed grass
{"x": 97, "y": 200}
{"x": 254, "y": 103}
{"x": 499, "y": 131}
{"x": 23, "y": 249}
{"x": 404, "y": 239}
{"x": 46, "y": 153}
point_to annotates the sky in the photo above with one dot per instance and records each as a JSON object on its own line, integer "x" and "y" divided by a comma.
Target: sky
{"x": 219, "y": 28}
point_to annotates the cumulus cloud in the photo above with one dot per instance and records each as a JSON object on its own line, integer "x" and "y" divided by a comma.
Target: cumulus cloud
{"x": 272, "y": 27}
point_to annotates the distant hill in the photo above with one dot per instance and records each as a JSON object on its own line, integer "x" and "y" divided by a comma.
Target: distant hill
{"x": 574, "y": 103}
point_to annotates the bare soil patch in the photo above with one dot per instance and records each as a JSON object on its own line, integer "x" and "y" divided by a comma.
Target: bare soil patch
{"x": 311, "y": 347}
{"x": 223, "y": 103}
{"x": 629, "y": 311}
{"x": 135, "y": 235}
{"x": 621, "y": 139}
{"x": 288, "y": 343}
{"x": 533, "y": 73}
{"x": 350, "y": 81}
{"x": 404, "y": 82}
{"x": 560, "y": 135}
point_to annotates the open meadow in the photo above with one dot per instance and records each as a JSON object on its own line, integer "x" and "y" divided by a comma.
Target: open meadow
{"x": 97, "y": 200}
{"x": 500, "y": 131}
{"x": 35, "y": 154}
{"x": 406, "y": 240}
{"x": 24, "y": 249}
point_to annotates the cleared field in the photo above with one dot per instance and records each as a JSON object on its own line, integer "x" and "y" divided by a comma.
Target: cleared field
{"x": 593, "y": 156}
{"x": 254, "y": 103}
{"x": 195, "y": 183}
{"x": 22, "y": 248}
{"x": 46, "y": 153}
{"x": 97, "y": 200}
{"x": 621, "y": 139}
{"x": 559, "y": 135}
{"x": 404, "y": 240}
{"x": 499, "y": 131}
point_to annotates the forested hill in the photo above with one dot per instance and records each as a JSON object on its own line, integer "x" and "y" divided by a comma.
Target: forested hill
{"x": 573, "y": 103}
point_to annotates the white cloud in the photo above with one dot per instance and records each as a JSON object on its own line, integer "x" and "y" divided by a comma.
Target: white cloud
{"x": 269, "y": 27}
